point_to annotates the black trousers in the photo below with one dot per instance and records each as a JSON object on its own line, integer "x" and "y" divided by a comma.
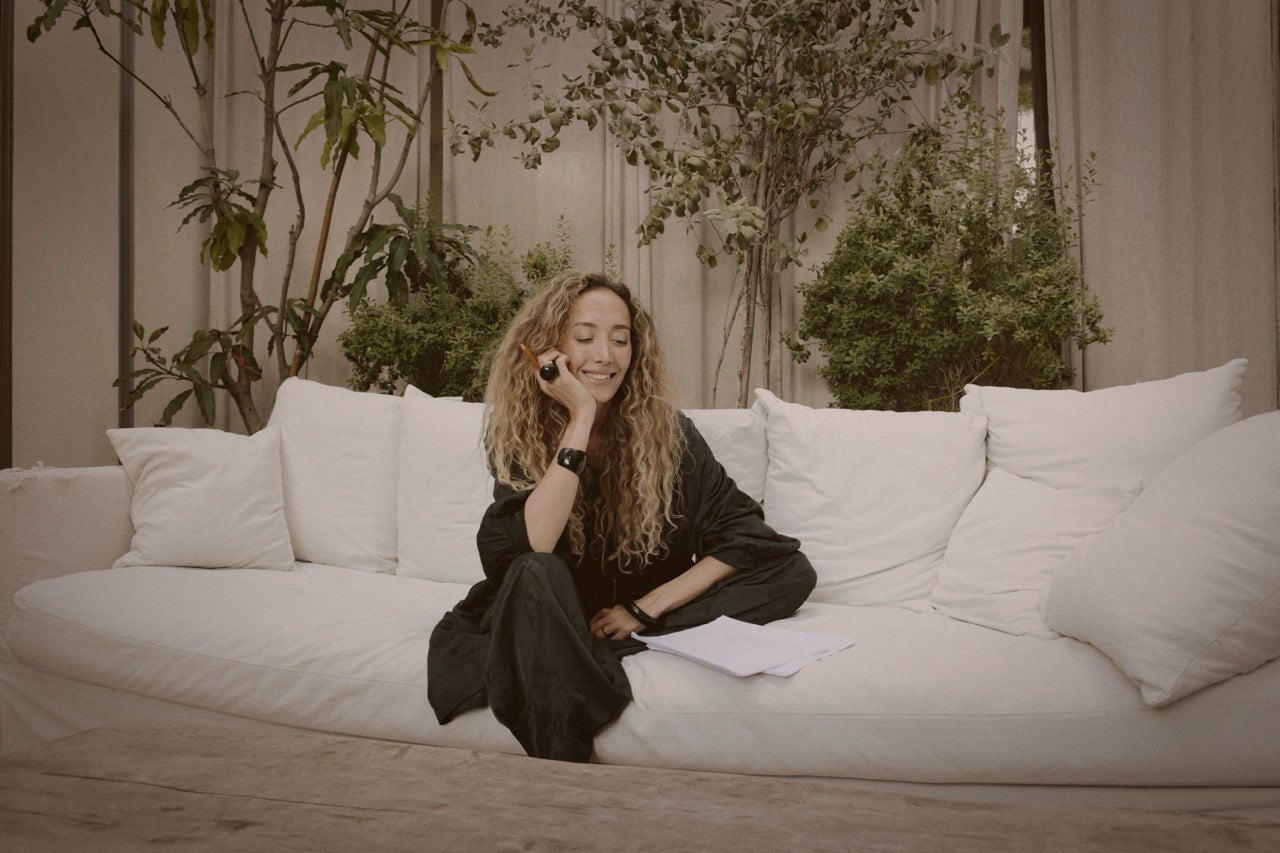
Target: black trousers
{"x": 531, "y": 658}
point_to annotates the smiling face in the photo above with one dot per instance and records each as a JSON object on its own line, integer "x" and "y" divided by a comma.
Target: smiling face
{"x": 597, "y": 342}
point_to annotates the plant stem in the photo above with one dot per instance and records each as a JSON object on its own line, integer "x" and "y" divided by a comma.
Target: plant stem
{"x": 240, "y": 387}
{"x": 326, "y": 220}
{"x": 168, "y": 104}
{"x": 203, "y": 103}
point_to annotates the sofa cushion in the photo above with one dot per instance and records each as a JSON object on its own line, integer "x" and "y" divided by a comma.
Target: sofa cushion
{"x": 872, "y": 496}
{"x": 1068, "y": 439}
{"x": 1183, "y": 590}
{"x": 321, "y": 647}
{"x": 204, "y": 498}
{"x": 737, "y": 440}
{"x": 340, "y": 449}
{"x": 918, "y": 697}
{"x": 1007, "y": 542}
{"x": 445, "y": 487}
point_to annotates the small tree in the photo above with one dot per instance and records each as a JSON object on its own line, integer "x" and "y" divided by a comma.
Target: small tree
{"x": 769, "y": 102}
{"x": 354, "y": 108}
{"x": 951, "y": 269}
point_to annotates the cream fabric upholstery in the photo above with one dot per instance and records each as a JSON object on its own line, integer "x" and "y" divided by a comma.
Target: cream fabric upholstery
{"x": 919, "y": 697}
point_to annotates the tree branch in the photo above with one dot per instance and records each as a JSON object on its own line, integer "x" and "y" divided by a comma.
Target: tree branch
{"x": 202, "y": 92}
{"x": 168, "y": 104}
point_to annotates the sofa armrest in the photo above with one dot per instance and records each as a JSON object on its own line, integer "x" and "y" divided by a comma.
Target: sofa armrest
{"x": 56, "y": 521}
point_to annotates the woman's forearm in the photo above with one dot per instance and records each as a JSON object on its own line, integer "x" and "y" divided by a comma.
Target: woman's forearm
{"x": 685, "y": 587}
{"x": 548, "y": 507}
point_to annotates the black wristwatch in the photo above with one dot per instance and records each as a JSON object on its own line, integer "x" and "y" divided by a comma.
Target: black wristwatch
{"x": 574, "y": 460}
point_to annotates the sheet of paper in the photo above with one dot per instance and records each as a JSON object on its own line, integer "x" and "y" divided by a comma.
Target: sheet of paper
{"x": 741, "y": 648}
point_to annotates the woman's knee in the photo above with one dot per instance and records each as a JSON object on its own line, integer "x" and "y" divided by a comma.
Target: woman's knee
{"x": 537, "y": 568}
{"x": 805, "y": 578}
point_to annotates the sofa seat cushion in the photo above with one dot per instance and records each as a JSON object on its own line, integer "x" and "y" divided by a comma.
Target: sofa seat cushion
{"x": 921, "y": 697}
{"x": 918, "y": 698}
{"x": 320, "y": 647}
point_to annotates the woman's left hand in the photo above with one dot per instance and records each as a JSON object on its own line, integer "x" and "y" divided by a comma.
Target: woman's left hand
{"x": 613, "y": 623}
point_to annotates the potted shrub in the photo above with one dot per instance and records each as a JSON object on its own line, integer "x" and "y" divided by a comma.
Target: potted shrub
{"x": 437, "y": 332}
{"x": 954, "y": 266}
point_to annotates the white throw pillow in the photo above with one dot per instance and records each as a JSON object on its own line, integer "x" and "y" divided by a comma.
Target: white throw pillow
{"x": 872, "y": 496}
{"x": 1183, "y": 590}
{"x": 204, "y": 498}
{"x": 1007, "y": 542}
{"x": 1068, "y": 439}
{"x": 737, "y": 440}
{"x": 445, "y": 487}
{"x": 340, "y": 449}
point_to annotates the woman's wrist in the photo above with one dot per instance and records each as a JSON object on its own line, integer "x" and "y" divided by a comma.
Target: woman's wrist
{"x": 653, "y": 608}
{"x": 583, "y": 413}
{"x": 578, "y": 432}
{"x": 647, "y": 620}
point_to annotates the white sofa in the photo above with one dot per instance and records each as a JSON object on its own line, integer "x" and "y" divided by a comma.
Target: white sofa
{"x": 954, "y": 548}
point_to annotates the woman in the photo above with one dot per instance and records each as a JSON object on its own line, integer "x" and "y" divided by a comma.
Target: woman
{"x": 610, "y": 515}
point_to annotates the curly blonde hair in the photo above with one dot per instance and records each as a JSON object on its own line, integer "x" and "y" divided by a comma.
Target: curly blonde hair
{"x": 638, "y": 481}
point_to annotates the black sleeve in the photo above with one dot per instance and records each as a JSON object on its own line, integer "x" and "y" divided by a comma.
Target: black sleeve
{"x": 727, "y": 524}
{"x": 502, "y": 535}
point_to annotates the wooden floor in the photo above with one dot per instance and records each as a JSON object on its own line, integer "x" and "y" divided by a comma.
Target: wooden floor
{"x": 114, "y": 789}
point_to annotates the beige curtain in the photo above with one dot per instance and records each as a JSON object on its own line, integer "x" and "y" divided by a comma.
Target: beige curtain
{"x": 1178, "y": 99}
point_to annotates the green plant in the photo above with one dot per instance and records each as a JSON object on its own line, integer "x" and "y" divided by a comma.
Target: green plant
{"x": 353, "y": 106}
{"x": 954, "y": 266}
{"x": 439, "y": 336}
{"x": 769, "y": 101}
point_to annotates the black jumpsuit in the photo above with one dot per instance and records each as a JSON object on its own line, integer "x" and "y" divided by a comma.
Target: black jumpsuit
{"x": 519, "y": 641}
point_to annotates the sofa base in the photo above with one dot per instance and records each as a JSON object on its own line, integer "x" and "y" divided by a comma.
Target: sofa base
{"x": 37, "y": 707}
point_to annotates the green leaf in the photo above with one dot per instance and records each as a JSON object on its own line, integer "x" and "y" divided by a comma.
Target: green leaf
{"x": 190, "y": 25}
{"x": 206, "y": 12}
{"x": 399, "y": 248}
{"x": 317, "y": 119}
{"x": 200, "y": 343}
{"x": 471, "y": 78}
{"x": 174, "y": 405}
{"x": 159, "y": 10}
{"x": 316, "y": 69}
{"x": 376, "y": 126}
{"x": 217, "y": 364}
{"x": 332, "y": 109}
{"x": 234, "y": 236}
{"x": 204, "y": 396}
{"x": 142, "y": 388}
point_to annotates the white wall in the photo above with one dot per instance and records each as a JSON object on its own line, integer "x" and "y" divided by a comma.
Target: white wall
{"x": 64, "y": 248}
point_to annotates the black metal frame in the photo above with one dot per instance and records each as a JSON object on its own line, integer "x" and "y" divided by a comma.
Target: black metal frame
{"x": 124, "y": 249}
{"x": 1033, "y": 19}
{"x": 6, "y": 234}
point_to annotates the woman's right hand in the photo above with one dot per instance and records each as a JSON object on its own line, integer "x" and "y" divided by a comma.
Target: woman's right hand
{"x": 566, "y": 389}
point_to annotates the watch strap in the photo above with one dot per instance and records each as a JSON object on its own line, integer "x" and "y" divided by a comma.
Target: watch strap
{"x": 574, "y": 460}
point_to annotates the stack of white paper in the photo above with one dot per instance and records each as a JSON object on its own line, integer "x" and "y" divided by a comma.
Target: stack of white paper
{"x": 740, "y": 648}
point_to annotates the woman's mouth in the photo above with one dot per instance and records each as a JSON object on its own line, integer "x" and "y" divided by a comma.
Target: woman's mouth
{"x": 597, "y": 377}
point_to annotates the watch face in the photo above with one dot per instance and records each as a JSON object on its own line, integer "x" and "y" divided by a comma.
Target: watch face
{"x": 574, "y": 460}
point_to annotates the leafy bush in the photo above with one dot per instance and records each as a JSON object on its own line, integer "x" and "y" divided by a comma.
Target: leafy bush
{"x": 952, "y": 268}
{"x": 438, "y": 338}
